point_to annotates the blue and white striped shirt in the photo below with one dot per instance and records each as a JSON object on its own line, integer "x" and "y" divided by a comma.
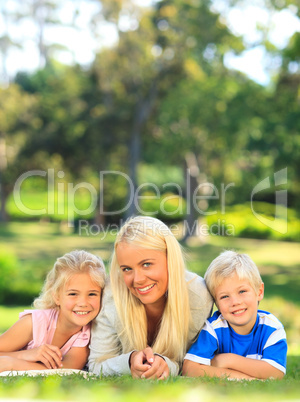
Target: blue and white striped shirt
{"x": 266, "y": 341}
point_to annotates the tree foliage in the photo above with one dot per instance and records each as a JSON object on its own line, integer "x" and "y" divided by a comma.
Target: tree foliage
{"x": 160, "y": 95}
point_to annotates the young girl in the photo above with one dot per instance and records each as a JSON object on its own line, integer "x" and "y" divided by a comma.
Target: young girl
{"x": 154, "y": 308}
{"x": 57, "y": 334}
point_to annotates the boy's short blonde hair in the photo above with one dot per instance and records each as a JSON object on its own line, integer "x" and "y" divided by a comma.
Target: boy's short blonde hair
{"x": 229, "y": 263}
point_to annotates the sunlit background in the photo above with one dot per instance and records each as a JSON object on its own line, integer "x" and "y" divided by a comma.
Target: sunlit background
{"x": 187, "y": 110}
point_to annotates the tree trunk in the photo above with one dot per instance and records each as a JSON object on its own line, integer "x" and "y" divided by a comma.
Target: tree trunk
{"x": 3, "y": 165}
{"x": 143, "y": 111}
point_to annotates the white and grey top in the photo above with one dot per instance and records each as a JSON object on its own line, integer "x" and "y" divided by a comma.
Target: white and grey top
{"x": 108, "y": 337}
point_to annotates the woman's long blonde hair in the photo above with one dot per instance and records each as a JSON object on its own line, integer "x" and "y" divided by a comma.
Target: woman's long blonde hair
{"x": 75, "y": 262}
{"x": 172, "y": 335}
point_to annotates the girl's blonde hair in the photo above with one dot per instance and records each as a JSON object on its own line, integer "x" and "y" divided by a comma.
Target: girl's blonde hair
{"x": 75, "y": 262}
{"x": 172, "y": 336}
{"x": 229, "y": 263}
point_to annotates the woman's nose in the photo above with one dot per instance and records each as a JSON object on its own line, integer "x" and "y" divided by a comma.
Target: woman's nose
{"x": 139, "y": 276}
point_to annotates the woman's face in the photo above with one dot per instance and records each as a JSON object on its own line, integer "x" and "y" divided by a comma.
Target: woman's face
{"x": 145, "y": 273}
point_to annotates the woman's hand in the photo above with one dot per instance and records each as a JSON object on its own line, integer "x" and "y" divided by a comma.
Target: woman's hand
{"x": 49, "y": 355}
{"x": 145, "y": 364}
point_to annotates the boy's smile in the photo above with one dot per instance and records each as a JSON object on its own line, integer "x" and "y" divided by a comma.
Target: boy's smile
{"x": 238, "y": 302}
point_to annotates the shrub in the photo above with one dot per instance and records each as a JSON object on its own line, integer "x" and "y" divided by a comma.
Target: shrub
{"x": 246, "y": 224}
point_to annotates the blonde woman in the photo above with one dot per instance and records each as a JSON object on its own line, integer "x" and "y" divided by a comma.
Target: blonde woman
{"x": 153, "y": 307}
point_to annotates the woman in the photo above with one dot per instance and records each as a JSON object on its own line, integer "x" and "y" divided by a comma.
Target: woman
{"x": 153, "y": 307}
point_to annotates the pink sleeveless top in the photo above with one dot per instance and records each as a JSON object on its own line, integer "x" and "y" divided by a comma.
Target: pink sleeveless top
{"x": 43, "y": 328}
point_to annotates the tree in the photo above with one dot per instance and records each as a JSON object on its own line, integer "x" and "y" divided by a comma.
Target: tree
{"x": 150, "y": 60}
{"x": 16, "y": 119}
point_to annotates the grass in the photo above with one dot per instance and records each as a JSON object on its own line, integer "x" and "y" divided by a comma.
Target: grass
{"x": 76, "y": 388}
{"x": 36, "y": 247}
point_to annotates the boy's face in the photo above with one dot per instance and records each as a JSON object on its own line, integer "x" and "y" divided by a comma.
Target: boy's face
{"x": 238, "y": 302}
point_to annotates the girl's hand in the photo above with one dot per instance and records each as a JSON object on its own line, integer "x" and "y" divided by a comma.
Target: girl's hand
{"x": 49, "y": 355}
{"x": 144, "y": 364}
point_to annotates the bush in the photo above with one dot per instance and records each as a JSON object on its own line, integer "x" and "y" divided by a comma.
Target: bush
{"x": 245, "y": 224}
{"x": 168, "y": 207}
{"x": 15, "y": 289}
{"x": 9, "y": 270}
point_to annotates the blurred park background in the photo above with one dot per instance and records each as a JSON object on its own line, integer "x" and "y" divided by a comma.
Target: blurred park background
{"x": 110, "y": 108}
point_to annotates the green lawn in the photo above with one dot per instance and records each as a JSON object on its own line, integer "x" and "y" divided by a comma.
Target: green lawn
{"x": 76, "y": 388}
{"x": 37, "y": 245}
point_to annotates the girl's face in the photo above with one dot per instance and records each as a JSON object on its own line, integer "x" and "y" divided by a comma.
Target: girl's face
{"x": 145, "y": 273}
{"x": 79, "y": 301}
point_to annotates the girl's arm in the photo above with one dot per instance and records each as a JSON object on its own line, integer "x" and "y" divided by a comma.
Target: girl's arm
{"x": 10, "y": 363}
{"x": 76, "y": 358}
{"x": 255, "y": 368}
{"x": 16, "y": 338}
{"x": 193, "y": 369}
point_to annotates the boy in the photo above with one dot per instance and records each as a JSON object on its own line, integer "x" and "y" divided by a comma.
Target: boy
{"x": 238, "y": 341}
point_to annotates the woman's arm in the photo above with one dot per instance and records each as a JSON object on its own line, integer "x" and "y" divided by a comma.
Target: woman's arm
{"x": 193, "y": 369}
{"x": 106, "y": 357}
{"x": 255, "y": 368}
{"x": 146, "y": 364}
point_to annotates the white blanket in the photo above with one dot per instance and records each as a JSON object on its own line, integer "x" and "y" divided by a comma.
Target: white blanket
{"x": 33, "y": 373}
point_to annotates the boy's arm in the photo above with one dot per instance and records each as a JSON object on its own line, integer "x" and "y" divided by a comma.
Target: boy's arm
{"x": 254, "y": 368}
{"x": 193, "y": 369}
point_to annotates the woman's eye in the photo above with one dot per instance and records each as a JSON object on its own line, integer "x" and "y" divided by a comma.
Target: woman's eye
{"x": 72, "y": 294}
{"x": 147, "y": 264}
{"x": 126, "y": 269}
{"x": 243, "y": 291}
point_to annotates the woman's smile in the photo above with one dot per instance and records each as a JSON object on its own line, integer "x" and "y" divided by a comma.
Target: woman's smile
{"x": 145, "y": 289}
